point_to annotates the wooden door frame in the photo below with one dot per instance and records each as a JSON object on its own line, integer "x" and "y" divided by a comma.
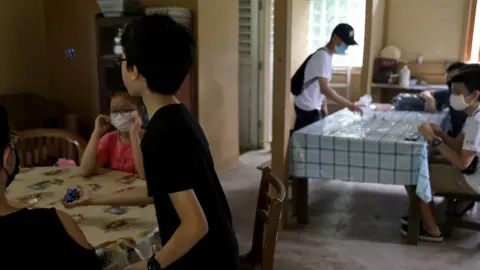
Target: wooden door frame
{"x": 470, "y": 29}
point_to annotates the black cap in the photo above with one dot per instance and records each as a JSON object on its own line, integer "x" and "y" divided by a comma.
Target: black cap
{"x": 346, "y": 33}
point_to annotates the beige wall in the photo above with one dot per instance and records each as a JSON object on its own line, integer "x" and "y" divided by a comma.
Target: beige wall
{"x": 218, "y": 77}
{"x": 71, "y": 24}
{"x": 434, "y": 29}
{"x": 24, "y": 65}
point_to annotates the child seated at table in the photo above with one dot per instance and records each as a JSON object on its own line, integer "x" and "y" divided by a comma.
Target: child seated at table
{"x": 118, "y": 149}
{"x": 38, "y": 238}
{"x": 461, "y": 152}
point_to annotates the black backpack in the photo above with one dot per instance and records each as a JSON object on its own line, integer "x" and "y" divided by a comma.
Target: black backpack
{"x": 297, "y": 83}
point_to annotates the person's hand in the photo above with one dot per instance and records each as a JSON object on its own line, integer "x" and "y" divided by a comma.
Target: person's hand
{"x": 84, "y": 200}
{"x": 354, "y": 108}
{"x": 102, "y": 124}
{"x": 136, "y": 128}
{"x": 430, "y": 105}
{"x": 141, "y": 265}
{"x": 436, "y": 129}
{"x": 427, "y": 132}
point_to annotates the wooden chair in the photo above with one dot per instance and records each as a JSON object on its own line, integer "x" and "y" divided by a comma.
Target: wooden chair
{"x": 267, "y": 221}
{"x": 451, "y": 220}
{"x": 43, "y": 147}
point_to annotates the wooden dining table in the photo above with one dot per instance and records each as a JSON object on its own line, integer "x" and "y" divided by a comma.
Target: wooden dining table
{"x": 43, "y": 187}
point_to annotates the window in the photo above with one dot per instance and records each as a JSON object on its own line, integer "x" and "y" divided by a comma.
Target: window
{"x": 325, "y": 15}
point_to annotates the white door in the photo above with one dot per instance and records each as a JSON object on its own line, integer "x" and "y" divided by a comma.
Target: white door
{"x": 250, "y": 79}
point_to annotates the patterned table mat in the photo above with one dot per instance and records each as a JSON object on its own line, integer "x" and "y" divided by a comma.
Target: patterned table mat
{"x": 44, "y": 187}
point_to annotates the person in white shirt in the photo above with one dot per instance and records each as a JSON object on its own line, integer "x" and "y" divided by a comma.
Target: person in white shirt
{"x": 318, "y": 72}
{"x": 460, "y": 174}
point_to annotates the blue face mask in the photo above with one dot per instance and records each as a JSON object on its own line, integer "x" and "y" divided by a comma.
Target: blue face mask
{"x": 341, "y": 49}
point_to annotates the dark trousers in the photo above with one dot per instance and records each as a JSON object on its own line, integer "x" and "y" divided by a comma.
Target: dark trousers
{"x": 305, "y": 118}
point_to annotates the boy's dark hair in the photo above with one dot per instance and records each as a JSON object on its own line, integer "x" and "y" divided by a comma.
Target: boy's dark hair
{"x": 162, "y": 50}
{"x": 470, "y": 77}
{"x": 4, "y": 129}
{"x": 469, "y": 67}
{"x": 455, "y": 66}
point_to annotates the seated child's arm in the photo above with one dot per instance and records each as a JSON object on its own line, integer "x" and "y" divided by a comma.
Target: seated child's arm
{"x": 96, "y": 152}
{"x": 453, "y": 143}
{"x": 89, "y": 163}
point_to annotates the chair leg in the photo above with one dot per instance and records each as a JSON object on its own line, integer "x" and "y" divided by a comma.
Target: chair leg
{"x": 413, "y": 220}
{"x": 449, "y": 217}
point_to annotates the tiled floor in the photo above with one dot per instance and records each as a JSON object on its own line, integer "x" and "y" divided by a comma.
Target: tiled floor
{"x": 352, "y": 227}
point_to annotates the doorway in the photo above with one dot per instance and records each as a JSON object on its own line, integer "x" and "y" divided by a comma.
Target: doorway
{"x": 252, "y": 29}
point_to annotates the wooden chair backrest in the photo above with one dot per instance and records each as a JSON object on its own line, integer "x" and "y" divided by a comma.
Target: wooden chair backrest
{"x": 271, "y": 197}
{"x": 42, "y": 147}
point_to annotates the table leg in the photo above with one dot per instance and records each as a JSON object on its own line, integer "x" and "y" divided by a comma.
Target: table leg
{"x": 301, "y": 200}
{"x": 413, "y": 219}
{"x": 450, "y": 215}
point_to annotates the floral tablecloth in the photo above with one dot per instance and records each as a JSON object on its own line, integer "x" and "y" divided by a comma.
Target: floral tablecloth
{"x": 43, "y": 187}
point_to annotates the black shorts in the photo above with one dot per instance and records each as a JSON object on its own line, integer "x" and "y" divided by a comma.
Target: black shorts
{"x": 304, "y": 118}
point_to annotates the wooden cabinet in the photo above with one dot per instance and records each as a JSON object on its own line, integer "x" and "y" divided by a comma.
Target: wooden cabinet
{"x": 109, "y": 70}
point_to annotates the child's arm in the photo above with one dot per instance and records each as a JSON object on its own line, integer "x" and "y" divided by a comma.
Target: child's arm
{"x": 89, "y": 163}
{"x": 135, "y": 137}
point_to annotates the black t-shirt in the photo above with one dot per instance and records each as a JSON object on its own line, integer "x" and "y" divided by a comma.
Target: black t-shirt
{"x": 36, "y": 239}
{"x": 176, "y": 157}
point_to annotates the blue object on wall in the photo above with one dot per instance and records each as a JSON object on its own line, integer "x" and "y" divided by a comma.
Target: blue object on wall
{"x": 70, "y": 54}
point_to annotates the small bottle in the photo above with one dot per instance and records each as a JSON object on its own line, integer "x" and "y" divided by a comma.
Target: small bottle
{"x": 405, "y": 76}
{"x": 117, "y": 46}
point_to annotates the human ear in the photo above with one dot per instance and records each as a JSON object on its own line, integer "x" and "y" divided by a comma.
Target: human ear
{"x": 134, "y": 73}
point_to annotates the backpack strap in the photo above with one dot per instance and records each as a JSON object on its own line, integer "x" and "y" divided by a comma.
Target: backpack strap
{"x": 312, "y": 80}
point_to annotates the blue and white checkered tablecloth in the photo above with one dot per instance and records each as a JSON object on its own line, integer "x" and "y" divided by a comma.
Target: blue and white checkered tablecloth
{"x": 368, "y": 148}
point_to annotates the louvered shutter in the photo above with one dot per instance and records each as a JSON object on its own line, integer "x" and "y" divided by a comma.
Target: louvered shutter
{"x": 248, "y": 72}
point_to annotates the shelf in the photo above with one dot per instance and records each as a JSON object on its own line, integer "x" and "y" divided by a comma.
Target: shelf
{"x": 107, "y": 22}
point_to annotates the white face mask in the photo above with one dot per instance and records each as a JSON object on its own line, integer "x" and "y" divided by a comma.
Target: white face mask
{"x": 123, "y": 121}
{"x": 458, "y": 102}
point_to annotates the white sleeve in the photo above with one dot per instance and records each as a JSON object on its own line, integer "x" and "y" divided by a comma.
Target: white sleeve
{"x": 320, "y": 65}
{"x": 471, "y": 141}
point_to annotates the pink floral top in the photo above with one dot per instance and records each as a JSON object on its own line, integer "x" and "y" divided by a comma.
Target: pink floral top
{"x": 115, "y": 154}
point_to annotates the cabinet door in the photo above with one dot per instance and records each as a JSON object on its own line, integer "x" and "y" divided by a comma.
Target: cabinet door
{"x": 186, "y": 94}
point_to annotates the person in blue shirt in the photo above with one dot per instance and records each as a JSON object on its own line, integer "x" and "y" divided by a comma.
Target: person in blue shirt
{"x": 436, "y": 99}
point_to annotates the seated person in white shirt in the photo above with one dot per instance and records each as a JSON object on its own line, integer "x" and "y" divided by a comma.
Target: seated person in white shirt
{"x": 461, "y": 152}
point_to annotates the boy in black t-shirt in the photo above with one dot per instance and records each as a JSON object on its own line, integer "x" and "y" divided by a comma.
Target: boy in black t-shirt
{"x": 192, "y": 211}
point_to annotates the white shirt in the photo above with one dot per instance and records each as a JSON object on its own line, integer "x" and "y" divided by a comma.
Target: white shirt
{"x": 319, "y": 66}
{"x": 471, "y": 142}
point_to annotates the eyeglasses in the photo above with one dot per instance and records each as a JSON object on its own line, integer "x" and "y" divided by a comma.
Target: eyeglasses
{"x": 118, "y": 61}
{"x": 122, "y": 112}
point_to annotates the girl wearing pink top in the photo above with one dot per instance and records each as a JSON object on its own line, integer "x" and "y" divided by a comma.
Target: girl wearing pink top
{"x": 119, "y": 149}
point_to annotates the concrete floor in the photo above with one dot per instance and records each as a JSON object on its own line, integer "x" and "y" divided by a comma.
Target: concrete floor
{"x": 352, "y": 227}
